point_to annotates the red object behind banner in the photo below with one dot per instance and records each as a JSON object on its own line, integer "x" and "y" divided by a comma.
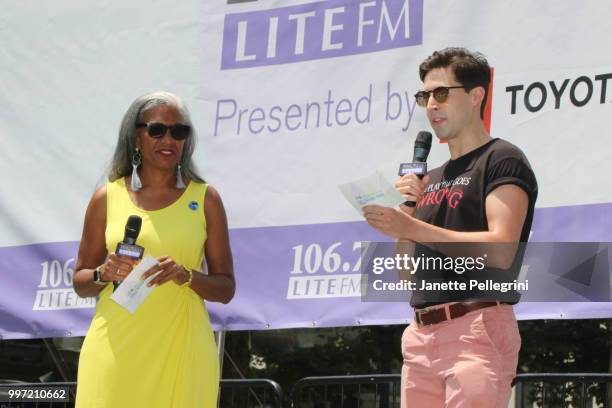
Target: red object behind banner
{"x": 487, "y": 113}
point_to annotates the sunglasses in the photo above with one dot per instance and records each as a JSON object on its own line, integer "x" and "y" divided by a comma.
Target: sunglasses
{"x": 158, "y": 130}
{"x": 440, "y": 94}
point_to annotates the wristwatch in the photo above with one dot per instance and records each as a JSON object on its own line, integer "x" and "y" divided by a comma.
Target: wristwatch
{"x": 97, "y": 277}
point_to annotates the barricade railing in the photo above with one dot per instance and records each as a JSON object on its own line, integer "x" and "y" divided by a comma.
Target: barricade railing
{"x": 239, "y": 393}
{"x": 576, "y": 390}
{"x": 255, "y": 393}
{"x": 347, "y": 391}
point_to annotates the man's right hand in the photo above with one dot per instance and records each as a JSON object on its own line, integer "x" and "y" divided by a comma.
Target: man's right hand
{"x": 411, "y": 188}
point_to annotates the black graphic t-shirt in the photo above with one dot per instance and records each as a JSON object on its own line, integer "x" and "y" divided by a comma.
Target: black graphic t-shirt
{"x": 455, "y": 198}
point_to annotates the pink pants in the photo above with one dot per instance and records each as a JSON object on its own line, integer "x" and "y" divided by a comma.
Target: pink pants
{"x": 466, "y": 362}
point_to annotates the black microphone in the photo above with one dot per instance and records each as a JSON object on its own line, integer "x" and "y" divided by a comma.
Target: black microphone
{"x": 128, "y": 246}
{"x": 132, "y": 229}
{"x": 422, "y": 146}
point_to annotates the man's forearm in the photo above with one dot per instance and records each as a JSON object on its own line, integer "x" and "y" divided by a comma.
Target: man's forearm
{"x": 499, "y": 247}
{"x": 424, "y": 232}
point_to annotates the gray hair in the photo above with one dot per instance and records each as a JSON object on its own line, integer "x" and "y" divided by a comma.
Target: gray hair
{"x": 121, "y": 165}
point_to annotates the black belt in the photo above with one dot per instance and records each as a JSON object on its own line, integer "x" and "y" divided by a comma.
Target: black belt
{"x": 427, "y": 316}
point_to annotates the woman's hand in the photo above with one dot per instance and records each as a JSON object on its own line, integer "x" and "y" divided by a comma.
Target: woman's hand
{"x": 166, "y": 271}
{"x": 117, "y": 267}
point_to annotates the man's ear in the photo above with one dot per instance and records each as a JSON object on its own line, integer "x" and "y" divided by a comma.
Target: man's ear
{"x": 478, "y": 95}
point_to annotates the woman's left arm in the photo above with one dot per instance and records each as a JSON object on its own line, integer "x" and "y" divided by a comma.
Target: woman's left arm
{"x": 219, "y": 285}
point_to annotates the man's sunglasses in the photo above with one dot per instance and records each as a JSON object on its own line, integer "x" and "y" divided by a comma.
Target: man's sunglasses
{"x": 158, "y": 130}
{"x": 440, "y": 94}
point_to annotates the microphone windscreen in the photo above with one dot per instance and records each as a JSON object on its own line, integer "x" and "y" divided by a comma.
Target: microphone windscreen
{"x": 422, "y": 146}
{"x": 132, "y": 228}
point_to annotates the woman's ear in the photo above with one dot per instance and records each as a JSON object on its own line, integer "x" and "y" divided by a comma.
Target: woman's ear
{"x": 137, "y": 141}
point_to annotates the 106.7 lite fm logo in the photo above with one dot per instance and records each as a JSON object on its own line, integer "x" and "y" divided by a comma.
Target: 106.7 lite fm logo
{"x": 325, "y": 272}
{"x": 55, "y": 292}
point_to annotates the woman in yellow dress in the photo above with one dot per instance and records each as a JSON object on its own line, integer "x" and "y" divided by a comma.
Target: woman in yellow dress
{"x": 164, "y": 354}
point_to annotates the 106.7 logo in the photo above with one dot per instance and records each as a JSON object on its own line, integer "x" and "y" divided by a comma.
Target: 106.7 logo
{"x": 55, "y": 292}
{"x": 318, "y": 267}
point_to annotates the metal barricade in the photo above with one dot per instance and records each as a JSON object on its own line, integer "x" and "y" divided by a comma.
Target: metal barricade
{"x": 382, "y": 391}
{"x": 250, "y": 393}
{"x": 348, "y": 391}
{"x": 575, "y": 390}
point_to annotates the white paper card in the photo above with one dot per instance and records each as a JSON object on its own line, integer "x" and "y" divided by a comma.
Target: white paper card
{"x": 133, "y": 290}
{"x": 374, "y": 189}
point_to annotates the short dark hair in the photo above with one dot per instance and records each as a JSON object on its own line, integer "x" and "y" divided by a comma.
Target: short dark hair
{"x": 471, "y": 69}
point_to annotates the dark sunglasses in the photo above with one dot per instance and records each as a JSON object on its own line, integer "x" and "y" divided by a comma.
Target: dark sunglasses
{"x": 158, "y": 130}
{"x": 440, "y": 94}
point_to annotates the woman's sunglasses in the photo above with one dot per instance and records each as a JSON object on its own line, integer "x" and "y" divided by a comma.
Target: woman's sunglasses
{"x": 158, "y": 130}
{"x": 440, "y": 94}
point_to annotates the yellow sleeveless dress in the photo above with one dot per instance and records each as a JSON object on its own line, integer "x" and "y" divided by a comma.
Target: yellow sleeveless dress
{"x": 164, "y": 354}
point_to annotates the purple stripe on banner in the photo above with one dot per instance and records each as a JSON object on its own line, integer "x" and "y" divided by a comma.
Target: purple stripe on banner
{"x": 290, "y": 276}
{"x": 298, "y": 276}
{"x": 36, "y": 295}
{"x": 579, "y": 223}
{"x": 323, "y": 29}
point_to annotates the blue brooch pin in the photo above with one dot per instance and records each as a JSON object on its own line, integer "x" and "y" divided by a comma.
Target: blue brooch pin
{"x": 193, "y": 205}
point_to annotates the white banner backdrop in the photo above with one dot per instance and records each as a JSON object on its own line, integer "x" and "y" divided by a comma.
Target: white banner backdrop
{"x": 290, "y": 99}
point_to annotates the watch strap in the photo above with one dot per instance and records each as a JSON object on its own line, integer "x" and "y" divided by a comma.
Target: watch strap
{"x": 97, "y": 277}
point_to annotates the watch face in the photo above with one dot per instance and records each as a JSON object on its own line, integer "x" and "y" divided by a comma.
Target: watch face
{"x": 97, "y": 277}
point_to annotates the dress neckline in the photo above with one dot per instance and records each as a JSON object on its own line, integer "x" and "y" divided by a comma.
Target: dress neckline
{"x": 172, "y": 204}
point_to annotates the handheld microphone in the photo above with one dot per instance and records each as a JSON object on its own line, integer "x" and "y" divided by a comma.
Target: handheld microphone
{"x": 422, "y": 146}
{"x": 128, "y": 246}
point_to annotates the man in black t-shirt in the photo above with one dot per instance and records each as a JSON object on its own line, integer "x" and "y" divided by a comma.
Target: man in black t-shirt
{"x": 464, "y": 352}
